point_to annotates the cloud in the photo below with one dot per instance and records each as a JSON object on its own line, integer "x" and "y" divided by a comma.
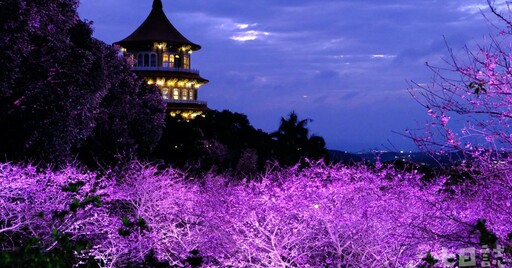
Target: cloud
{"x": 473, "y": 7}
{"x": 228, "y": 28}
{"x": 350, "y": 58}
{"x": 249, "y": 35}
{"x": 382, "y": 56}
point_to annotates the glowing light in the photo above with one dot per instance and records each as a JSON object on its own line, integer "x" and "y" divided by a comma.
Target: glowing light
{"x": 186, "y": 49}
{"x": 160, "y": 45}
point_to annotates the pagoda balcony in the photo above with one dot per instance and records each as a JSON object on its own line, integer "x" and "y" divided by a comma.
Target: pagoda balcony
{"x": 166, "y": 69}
{"x": 197, "y": 102}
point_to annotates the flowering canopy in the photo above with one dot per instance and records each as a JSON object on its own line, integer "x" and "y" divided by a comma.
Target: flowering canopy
{"x": 315, "y": 217}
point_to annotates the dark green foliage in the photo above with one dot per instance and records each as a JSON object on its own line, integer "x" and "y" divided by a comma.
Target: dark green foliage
{"x": 508, "y": 246}
{"x": 32, "y": 254}
{"x": 150, "y": 261}
{"x": 123, "y": 232}
{"x": 59, "y": 215}
{"x": 486, "y": 237}
{"x": 129, "y": 226}
{"x": 73, "y": 207}
{"x": 428, "y": 261}
{"x": 73, "y": 187}
{"x": 195, "y": 259}
{"x": 90, "y": 200}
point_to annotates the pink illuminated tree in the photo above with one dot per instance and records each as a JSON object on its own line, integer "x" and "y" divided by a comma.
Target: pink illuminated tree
{"x": 469, "y": 102}
{"x": 320, "y": 216}
{"x": 473, "y": 91}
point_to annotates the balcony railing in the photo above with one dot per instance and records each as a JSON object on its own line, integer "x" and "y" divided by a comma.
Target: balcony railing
{"x": 186, "y": 101}
{"x": 167, "y": 69}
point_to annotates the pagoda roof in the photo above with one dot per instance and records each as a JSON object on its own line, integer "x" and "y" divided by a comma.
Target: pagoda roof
{"x": 157, "y": 28}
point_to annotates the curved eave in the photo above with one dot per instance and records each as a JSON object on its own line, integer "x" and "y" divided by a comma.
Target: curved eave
{"x": 156, "y": 28}
{"x": 177, "y": 74}
{"x": 149, "y": 44}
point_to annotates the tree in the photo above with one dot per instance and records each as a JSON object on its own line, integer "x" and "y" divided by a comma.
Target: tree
{"x": 470, "y": 105}
{"x": 293, "y": 141}
{"x": 317, "y": 216}
{"x": 54, "y": 84}
{"x": 47, "y": 218}
{"x": 32, "y": 82}
{"x": 474, "y": 91}
{"x": 129, "y": 119}
{"x": 219, "y": 140}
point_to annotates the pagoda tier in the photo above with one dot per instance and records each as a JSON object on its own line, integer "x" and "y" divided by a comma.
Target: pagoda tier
{"x": 162, "y": 55}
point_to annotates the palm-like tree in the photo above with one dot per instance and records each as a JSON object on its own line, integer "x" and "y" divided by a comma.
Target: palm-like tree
{"x": 294, "y": 142}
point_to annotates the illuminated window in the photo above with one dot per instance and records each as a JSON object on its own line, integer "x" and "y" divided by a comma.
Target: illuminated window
{"x": 165, "y": 60}
{"x": 165, "y": 93}
{"x": 168, "y": 60}
{"x": 175, "y": 93}
{"x": 192, "y": 94}
{"x": 186, "y": 61}
{"x": 184, "y": 94}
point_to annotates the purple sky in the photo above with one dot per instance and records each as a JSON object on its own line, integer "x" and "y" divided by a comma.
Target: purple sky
{"x": 343, "y": 63}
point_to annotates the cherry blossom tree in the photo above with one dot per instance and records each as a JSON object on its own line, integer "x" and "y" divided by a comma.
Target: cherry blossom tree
{"x": 474, "y": 90}
{"x": 319, "y": 216}
{"x": 49, "y": 208}
{"x": 470, "y": 106}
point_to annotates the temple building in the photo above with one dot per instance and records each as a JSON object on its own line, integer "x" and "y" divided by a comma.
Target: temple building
{"x": 162, "y": 55}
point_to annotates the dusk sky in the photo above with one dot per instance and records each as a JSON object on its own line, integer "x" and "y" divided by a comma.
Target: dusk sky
{"x": 345, "y": 64}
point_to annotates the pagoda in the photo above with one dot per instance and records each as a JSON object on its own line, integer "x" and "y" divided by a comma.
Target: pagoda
{"x": 161, "y": 54}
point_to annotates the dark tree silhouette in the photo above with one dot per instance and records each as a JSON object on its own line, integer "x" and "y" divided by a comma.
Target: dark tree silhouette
{"x": 293, "y": 141}
{"x": 59, "y": 87}
{"x": 222, "y": 140}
